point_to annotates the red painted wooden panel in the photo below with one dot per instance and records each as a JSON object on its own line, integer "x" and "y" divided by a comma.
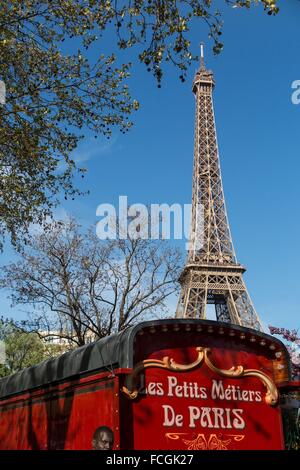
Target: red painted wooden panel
{"x": 65, "y": 418}
{"x": 205, "y": 422}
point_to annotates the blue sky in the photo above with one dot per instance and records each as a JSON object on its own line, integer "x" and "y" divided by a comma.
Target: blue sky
{"x": 258, "y": 132}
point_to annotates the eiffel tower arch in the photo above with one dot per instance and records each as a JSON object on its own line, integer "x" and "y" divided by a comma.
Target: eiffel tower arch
{"x": 212, "y": 274}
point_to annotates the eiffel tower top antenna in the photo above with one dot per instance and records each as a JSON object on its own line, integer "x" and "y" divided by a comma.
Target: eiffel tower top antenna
{"x": 202, "y": 66}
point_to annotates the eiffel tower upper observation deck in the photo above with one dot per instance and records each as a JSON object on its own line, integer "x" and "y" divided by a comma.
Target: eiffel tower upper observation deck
{"x": 212, "y": 274}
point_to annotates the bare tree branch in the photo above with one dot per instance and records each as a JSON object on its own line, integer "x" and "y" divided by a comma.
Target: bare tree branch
{"x": 82, "y": 288}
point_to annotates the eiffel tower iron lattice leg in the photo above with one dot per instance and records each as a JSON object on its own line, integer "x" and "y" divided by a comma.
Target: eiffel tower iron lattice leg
{"x": 212, "y": 274}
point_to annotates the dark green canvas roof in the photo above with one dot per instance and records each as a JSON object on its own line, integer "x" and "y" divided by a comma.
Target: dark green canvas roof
{"x": 109, "y": 352}
{"x": 115, "y": 351}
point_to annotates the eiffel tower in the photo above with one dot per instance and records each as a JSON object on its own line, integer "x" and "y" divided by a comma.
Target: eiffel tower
{"x": 212, "y": 274}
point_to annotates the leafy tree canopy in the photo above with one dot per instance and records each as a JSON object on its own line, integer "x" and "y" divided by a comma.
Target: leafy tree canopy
{"x": 22, "y": 349}
{"x": 53, "y": 94}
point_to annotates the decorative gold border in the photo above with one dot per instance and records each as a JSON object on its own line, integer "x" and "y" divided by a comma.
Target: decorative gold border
{"x": 166, "y": 363}
{"x": 202, "y": 442}
{"x": 131, "y": 390}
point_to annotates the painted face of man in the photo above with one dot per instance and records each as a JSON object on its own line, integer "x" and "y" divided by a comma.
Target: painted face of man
{"x": 104, "y": 441}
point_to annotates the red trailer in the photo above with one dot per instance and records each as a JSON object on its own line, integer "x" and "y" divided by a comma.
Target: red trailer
{"x": 166, "y": 384}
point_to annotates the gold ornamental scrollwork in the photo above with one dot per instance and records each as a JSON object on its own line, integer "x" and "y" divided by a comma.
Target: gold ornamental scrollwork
{"x": 202, "y": 442}
{"x": 166, "y": 363}
{"x": 271, "y": 397}
{"x": 131, "y": 389}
